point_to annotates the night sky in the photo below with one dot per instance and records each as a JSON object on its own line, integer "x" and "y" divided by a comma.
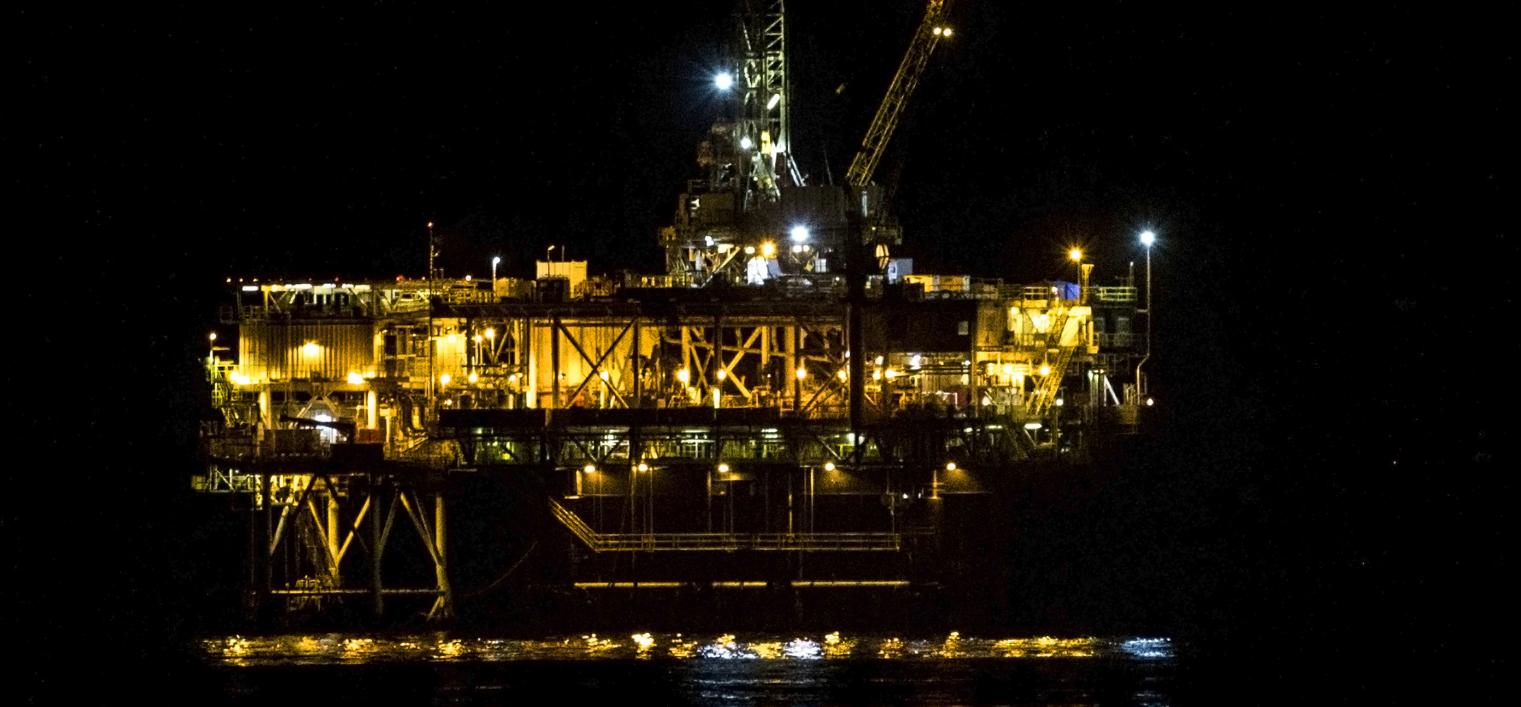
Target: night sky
{"x": 1332, "y": 275}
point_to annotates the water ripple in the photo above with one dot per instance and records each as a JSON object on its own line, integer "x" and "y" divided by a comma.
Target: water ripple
{"x": 443, "y": 648}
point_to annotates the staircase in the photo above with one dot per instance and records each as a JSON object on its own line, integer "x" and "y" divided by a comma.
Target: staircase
{"x": 1045, "y": 393}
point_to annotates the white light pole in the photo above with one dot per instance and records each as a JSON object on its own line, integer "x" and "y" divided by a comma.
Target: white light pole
{"x": 1076, "y": 256}
{"x": 1147, "y": 239}
{"x": 495, "y": 259}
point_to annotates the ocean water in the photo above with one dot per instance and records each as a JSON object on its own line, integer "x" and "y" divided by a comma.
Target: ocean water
{"x": 670, "y": 669}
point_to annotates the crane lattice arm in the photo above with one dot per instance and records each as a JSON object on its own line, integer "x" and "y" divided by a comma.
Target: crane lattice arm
{"x": 930, "y": 31}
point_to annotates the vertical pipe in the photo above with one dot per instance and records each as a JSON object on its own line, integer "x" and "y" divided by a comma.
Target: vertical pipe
{"x": 266, "y": 579}
{"x": 789, "y": 503}
{"x": 375, "y": 550}
{"x": 531, "y": 373}
{"x": 440, "y": 546}
{"x": 332, "y": 531}
{"x": 971, "y": 369}
{"x": 554, "y": 360}
{"x": 765, "y": 357}
{"x": 258, "y": 549}
{"x": 686, "y": 359}
{"x": 794, "y": 343}
{"x": 855, "y": 336}
{"x": 638, "y": 371}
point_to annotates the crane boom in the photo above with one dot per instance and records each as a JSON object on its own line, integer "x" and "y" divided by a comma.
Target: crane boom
{"x": 929, "y": 33}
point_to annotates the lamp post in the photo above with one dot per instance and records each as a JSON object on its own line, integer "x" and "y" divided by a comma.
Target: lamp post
{"x": 1076, "y": 255}
{"x": 495, "y": 259}
{"x": 1147, "y": 239}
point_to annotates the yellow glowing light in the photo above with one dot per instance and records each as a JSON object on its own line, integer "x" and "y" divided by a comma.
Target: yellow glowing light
{"x": 684, "y": 376}
{"x": 749, "y": 250}
{"x": 355, "y": 378}
{"x": 589, "y": 468}
{"x": 472, "y": 377}
{"x": 828, "y": 466}
{"x": 451, "y": 337}
{"x": 723, "y": 468}
{"x": 950, "y": 466}
{"x": 213, "y": 336}
{"x": 1076, "y": 254}
{"x": 768, "y": 249}
{"x": 802, "y": 373}
{"x": 841, "y": 374}
{"x": 602, "y": 375}
{"x": 1045, "y": 369}
{"x": 311, "y": 348}
{"x": 891, "y": 374}
{"x": 238, "y": 379}
{"x": 722, "y": 374}
{"x": 479, "y": 338}
{"x": 444, "y": 379}
{"x": 879, "y": 360}
{"x": 643, "y": 467}
{"x": 1008, "y": 369}
{"x": 876, "y": 375}
{"x": 491, "y": 333}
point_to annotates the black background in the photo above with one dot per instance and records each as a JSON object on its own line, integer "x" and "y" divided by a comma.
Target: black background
{"x": 1332, "y": 489}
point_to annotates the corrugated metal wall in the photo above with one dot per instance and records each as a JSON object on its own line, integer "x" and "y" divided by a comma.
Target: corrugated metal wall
{"x": 278, "y": 351}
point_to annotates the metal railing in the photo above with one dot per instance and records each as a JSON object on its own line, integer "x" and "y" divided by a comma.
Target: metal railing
{"x": 1123, "y": 293}
{"x": 723, "y": 542}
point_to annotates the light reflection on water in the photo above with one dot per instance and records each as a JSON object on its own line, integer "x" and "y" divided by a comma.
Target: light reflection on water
{"x": 344, "y": 649}
{"x": 678, "y": 668}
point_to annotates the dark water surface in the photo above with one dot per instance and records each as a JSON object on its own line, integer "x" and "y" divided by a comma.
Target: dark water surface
{"x": 835, "y": 668}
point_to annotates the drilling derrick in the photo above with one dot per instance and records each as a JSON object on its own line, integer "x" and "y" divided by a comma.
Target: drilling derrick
{"x": 752, "y": 218}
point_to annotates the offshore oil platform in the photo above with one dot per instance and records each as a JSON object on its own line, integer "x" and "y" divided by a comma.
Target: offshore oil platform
{"x": 788, "y": 407}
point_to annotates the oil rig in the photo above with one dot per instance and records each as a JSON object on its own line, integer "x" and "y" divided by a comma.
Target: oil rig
{"x": 787, "y": 407}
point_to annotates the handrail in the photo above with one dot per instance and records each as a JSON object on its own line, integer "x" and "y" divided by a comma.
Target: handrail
{"x": 724, "y": 542}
